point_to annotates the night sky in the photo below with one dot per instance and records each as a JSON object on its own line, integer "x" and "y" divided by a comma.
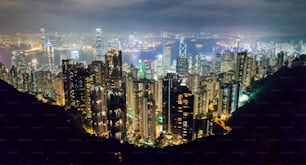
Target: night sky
{"x": 264, "y": 17}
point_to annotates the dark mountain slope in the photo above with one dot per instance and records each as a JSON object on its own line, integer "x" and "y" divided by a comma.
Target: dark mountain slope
{"x": 33, "y": 132}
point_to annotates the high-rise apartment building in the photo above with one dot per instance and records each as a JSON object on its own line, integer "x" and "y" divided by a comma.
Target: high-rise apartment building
{"x": 113, "y": 60}
{"x": 99, "y": 110}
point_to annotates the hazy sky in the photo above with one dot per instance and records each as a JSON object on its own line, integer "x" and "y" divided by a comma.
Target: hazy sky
{"x": 258, "y": 16}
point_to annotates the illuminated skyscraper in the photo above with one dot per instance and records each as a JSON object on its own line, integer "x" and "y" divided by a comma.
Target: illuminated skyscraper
{"x": 171, "y": 83}
{"x": 217, "y": 63}
{"x": 143, "y": 106}
{"x": 177, "y": 107}
{"x": 43, "y": 37}
{"x": 99, "y": 110}
{"x": 145, "y": 69}
{"x": 50, "y": 55}
{"x": 235, "y": 96}
{"x": 183, "y": 123}
{"x": 182, "y": 48}
{"x": 98, "y": 70}
{"x": 44, "y": 83}
{"x": 141, "y": 70}
{"x": 166, "y": 57}
{"x": 182, "y": 60}
{"x": 240, "y": 66}
{"x": 83, "y": 84}
{"x": 228, "y": 61}
{"x": 77, "y": 86}
{"x": 182, "y": 66}
{"x": 158, "y": 67}
{"x": 113, "y": 60}
{"x": 13, "y": 76}
{"x": 69, "y": 73}
{"x": 116, "y": 114}
{"x": 22, "y": 76}
{"x": 248, "y": 71}
{"x": 224, "y": 101}
{"x": 3, "y": 72}
{"x": 33, "y": 83}
{"x": 99, "y": 46}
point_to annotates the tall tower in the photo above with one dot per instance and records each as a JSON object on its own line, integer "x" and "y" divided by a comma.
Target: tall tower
{"x": 248, "y": 70}
{"x": 240, "y": 66}
{"x": 43, "y": 36}
{"x": 182, "y": 60}
{"x": 21, "y": 72}
{"x": 170, "y": 83}
{"x": 167, "y": 57}
{"x": 50, "y": 54}
{"x": 99, "y": 48}
{"x": 217, "y": 63}
{"x": 99, "y": 110}
{"x": 182, "y": 48}
{"x": 116, "y": 116}
{"x": 143, "y": 106}
{"x": 177, "y": 107}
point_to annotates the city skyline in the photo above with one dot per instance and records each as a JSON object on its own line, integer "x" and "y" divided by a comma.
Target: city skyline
{"x": 270, "y": 18}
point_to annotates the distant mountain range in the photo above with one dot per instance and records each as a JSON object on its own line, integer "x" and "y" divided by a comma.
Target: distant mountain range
{"x": 271, "y": 129}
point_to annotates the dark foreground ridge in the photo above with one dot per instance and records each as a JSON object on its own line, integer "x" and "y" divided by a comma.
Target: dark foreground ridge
{"x": 270, "y": 129}
{"x": 34, "y": 132}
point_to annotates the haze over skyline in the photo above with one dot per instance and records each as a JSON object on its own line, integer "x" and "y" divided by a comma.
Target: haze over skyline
{"x": 263, "y": 17}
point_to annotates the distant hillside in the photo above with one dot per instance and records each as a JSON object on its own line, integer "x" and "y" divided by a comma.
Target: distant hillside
{"x": 271, "y": 129}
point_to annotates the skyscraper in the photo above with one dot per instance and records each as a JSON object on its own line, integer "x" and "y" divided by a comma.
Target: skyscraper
{"x": 50, "y": 55}
{"x": 22, "y": 76}
{"x": 171, "y": 83}
{"x": 113, "y": 60}
{"x": 182, "y": 48}
{"x": 99, "y": 46}
{"x": 177, "y": 107}
{"x": 158, "y": 70}
{"x": 43, "y": 37}
{"x": 184, "y": 123}
{"x": 116, "y": 114}
{"x": 240, "y": 66}
{"x": 166, "y": 57}
{"x": 143, "y": 106}
{"x": 99, "y": 110}
{"x": 182, "y": 60}
{"x": 33, "y": 83}
{"x": 145, "y": 69}
{"x": 99, "y": 72}
{"x": 69, "y": 73}
{"x": 217, "y": 63}
{"x": 248, "y": 71}
{"x": 224, "y": 100}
